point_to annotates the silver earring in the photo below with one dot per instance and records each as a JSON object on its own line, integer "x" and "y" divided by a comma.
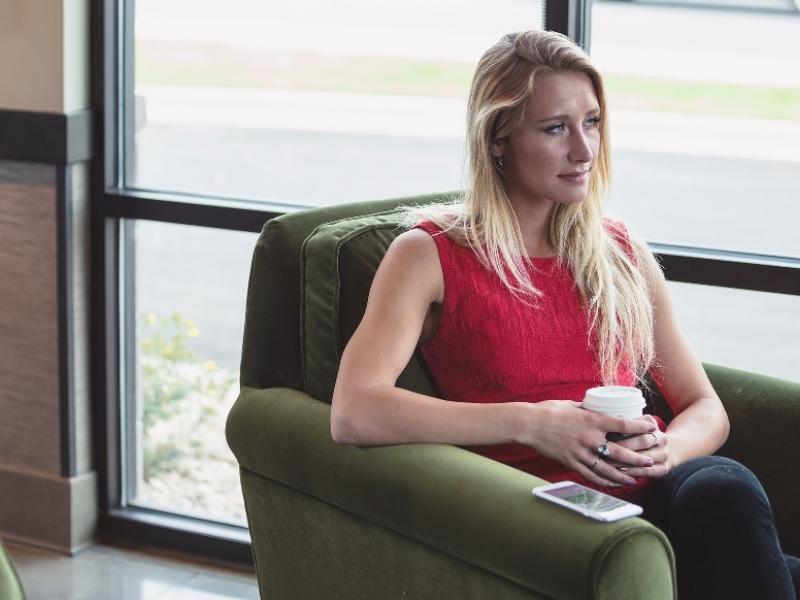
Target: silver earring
{"x": 499, "y": 162}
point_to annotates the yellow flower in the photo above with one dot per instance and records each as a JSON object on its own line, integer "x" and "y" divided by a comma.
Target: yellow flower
{"x": 151, "y": 319}
{"x": 193, "y": 331}
{"x": 209, "y": 365}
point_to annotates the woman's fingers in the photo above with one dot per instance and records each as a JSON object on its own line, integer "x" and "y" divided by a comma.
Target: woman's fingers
{"x": 612, "y": 473}
{"x": 592, "y": 474}
{"x": 644, "y": 441}
{"x": 620, "y": 454}
{"x": 661, "y": 463}
{"x": 608, "y": 465}
{"x": 657, "y": 471}
{"x": 649, "y": 418}
{"x": 647, "y": 441}
{"x": 627, "y": 426}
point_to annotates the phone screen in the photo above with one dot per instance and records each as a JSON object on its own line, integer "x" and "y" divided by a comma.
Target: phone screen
{"x": 586, "y": 497}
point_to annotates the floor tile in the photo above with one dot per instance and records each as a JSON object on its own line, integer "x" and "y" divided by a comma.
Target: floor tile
{"x": 105, "y": 572}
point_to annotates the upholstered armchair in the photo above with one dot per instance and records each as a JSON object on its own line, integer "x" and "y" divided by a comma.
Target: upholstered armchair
{"x": 428, "y": 520}
{"x": 10, "y": 586}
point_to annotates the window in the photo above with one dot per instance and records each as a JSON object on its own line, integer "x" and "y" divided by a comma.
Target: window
{"x": 705, "y": 129}
{"x": 743, "y": 329}
{"x": 706, "y": 154}
{"x": 185, "y": 321}
{"x": 308, "y": 102}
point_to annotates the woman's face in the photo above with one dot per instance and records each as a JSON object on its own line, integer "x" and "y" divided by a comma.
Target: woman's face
{"x": 560, "y": 135}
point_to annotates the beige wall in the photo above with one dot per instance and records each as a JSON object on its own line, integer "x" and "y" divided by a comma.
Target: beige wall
{"x": 75, "y": 55}
{"x": 43, "y": 68}
{"x": 44, "y": 51}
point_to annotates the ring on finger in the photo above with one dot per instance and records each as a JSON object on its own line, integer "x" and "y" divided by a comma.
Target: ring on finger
{"x": 603, "y": 451}
{"x": 655, "y": 439}
{"x": 594, "y": 464}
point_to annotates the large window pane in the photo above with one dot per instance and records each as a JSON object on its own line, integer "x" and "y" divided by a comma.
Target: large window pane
{"x": 185, "y": 318}
{"x": 308, "y": 102}
{"x": 753, "y": 331}
{"x": 705, "y": 121}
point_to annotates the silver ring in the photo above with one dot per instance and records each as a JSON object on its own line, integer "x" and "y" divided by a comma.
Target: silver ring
{"x": 655, "y": 439}
{"x": 594, "y": 464}
{"x": 604, "y": 451}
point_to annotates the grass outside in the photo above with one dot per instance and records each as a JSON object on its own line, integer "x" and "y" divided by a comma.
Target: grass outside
{"x": 206, "y": 65}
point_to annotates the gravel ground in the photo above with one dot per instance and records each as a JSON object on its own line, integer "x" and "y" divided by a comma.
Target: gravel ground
{"x": 197, "y": 474}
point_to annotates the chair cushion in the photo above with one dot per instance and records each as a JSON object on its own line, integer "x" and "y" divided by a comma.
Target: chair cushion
{"x": 271, "y": 349}
{"x": 339, "y": 260}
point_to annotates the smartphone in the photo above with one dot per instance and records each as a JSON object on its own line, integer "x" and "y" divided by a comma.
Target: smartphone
{"x": 590, "y": 503}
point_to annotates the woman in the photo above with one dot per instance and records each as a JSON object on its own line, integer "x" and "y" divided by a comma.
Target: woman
{"x": 523, "y": 296}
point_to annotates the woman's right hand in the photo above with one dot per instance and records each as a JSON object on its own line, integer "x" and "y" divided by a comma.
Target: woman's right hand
{"x": 561, "y": 430}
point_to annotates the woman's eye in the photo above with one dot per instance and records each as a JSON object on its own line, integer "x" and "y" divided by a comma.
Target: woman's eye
{"x": 594, "y": 121}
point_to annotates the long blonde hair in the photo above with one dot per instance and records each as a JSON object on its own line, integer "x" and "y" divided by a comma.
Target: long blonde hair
{"x": 612, "y": 287}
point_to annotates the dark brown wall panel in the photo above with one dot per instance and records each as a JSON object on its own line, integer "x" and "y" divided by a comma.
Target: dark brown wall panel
{"x": 29, "y": 376}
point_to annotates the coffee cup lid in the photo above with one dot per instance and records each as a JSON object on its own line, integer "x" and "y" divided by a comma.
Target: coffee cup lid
{"x": 614, "y": 395}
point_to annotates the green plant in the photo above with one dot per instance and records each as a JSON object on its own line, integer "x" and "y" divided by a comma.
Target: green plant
{"x": 179, "y": 391}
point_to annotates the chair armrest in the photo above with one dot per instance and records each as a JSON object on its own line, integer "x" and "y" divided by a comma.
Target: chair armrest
{"x": 764, "y": 413}
{"x": 451, "y": 499}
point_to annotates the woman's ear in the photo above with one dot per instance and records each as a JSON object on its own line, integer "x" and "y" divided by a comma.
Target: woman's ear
{"x": 498, "y": 148}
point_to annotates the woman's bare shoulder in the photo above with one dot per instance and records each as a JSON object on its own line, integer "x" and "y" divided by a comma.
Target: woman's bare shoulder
{"x": 415, "y": 250}
{"x": 416, "y": 234}
{"x": 414, "y": 244}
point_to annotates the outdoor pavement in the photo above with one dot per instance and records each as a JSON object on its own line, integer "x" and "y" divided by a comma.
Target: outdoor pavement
{"x": 424, "y": 118}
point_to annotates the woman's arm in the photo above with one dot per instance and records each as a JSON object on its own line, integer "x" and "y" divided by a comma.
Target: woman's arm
{"x": 700, "y": 426}
{"x": 367, "y": 408}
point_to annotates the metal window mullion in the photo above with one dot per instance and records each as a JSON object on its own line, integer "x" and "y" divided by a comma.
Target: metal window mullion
{"x": 126, "y": 79}
{"x": 129, "y": 443}
{"x": 168, "y": 208}
{"x": 570, "y": 17}
{"x": 66, "y": 333}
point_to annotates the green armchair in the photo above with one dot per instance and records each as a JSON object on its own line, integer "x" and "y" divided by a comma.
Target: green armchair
{"x": 427, "y": 520}
{"x": 10, "y": 586}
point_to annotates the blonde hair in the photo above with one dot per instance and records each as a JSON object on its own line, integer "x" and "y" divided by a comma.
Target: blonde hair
{"x": 611, "y": 285}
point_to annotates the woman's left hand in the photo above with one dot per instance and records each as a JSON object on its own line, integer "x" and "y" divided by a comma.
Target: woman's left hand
{"x": 656, "y": 446}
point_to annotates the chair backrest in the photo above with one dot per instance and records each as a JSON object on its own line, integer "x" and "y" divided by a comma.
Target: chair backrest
{"x": 309, "y": 280}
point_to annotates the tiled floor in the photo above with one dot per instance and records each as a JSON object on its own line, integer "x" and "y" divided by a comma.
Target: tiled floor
{"x": 111, "y": 573}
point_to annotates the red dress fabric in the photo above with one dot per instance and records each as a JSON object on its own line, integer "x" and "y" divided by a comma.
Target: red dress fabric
{"x": 490, "y": 347}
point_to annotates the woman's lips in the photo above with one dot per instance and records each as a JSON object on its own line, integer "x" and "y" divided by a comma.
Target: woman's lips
{"x": 580, "y": 178}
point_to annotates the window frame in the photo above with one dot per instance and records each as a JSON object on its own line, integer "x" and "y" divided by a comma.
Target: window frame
{"x": 112, "y": 206}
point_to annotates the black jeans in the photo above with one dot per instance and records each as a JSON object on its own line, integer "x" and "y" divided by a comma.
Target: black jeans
{"x": 719, "y": 522}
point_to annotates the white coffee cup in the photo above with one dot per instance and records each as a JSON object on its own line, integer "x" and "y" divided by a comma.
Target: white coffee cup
{"x": 615, "y": 400}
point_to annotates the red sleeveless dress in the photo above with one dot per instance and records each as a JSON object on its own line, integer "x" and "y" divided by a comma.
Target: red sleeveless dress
{"x": 490, "y": 347}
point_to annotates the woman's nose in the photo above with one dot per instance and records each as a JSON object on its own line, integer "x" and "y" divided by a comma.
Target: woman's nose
{"x": 580, "y": 149}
